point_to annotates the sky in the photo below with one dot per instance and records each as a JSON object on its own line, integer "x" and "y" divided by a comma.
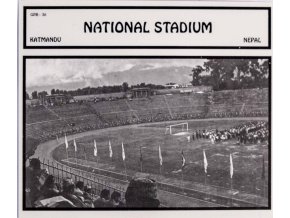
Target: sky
{"x": 79, "y": 73}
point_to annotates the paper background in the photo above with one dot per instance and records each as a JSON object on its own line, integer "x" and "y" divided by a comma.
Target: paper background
{"x": 144, "y": 52}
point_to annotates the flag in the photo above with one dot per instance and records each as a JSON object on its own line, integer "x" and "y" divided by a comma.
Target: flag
{"x": 110, "y": 150}
{"x": 95, "y": 144}
{"x": 65, "y": 141}
{"x": 123, "y": 152}
{"x": 95, "y": 149}
{"x": 160, "y": 156}
{"x": 263, "y": 169}
{"x": 205, "y": 162}
{"x": 75, "y": 145}
{"x": 182, "y": 160}
{"x": 231, "y": 166}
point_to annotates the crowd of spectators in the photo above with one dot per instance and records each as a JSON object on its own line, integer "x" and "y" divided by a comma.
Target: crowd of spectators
{"x": 42, "y": 190}
{"x": 248, "y": 133}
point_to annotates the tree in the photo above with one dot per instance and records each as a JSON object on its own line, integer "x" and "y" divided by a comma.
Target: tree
{"x": 42, "y": 94}
{"x": 52, "y": 92}
{"x": 34, "y": 95}
{"x": 196, "y": 78}
{"x": 125, "y": 87}
{"x": 259, "y": 72}
{"x": 238, "y": 73}
{"x": 221, "y": 71}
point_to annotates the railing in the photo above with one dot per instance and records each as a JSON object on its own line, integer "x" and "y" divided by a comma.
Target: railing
{"x": 213, "y": 197}
{"x": 61, "y": 171}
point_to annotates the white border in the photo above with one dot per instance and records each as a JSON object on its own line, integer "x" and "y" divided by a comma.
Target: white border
{"x": 280, "y": 114}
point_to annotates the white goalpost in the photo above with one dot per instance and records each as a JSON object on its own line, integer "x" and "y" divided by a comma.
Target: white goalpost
{"x": 177, "y": 129}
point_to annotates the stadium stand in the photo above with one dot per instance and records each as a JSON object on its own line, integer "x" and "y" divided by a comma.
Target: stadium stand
{"x": 239, "y": 101}
{"x": 71, "y": 110}
{"x": 46, "y": 123}
{"x": 109, "y": 106}
{"x": 38, "y": 114}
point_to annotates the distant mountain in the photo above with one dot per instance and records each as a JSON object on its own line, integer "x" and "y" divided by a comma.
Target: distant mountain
{"x": 135, "y": 75}
{"x": 62, "y": 86}
{"x": 149, "y": 74}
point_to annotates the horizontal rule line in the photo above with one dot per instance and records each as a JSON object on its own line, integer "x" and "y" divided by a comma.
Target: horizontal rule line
{"x": 148, "y": 47}
{"x": 144, "y": 57}
{"x": 147, "y": 7}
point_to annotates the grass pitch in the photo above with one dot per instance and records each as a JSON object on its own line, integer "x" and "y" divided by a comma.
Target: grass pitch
{"x": 247, "y": 159}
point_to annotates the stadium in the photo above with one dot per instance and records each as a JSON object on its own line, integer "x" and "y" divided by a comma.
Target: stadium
{"x": 201, "y": 147}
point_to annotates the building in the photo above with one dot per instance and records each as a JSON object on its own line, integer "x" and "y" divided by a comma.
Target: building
{"x": 172, "y": 85}
{"x": 56, "y": 99}
{"x": 196, "y": 89}
{"x": 143, "y": 92}
{"x": 32, "y": 102}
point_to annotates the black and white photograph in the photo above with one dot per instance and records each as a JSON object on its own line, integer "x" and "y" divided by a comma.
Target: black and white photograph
{"x": 146, "y": 133}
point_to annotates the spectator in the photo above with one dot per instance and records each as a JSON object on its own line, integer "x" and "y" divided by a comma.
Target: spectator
{"x": 252, "y": 132}
{"x": 103, "y": 200}
{"x": 35, "y": 178}
{"x": 79, "y": 190}
{"x": 49, "y": 190}
{"x": 68, "y": 193}
{"x": 88, "y": 196}
{"x": 142, "y": 193}
{"x": 116, "y": 199}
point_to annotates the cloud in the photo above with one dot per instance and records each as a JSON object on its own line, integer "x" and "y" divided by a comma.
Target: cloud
{"x": 48, "y": 72}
